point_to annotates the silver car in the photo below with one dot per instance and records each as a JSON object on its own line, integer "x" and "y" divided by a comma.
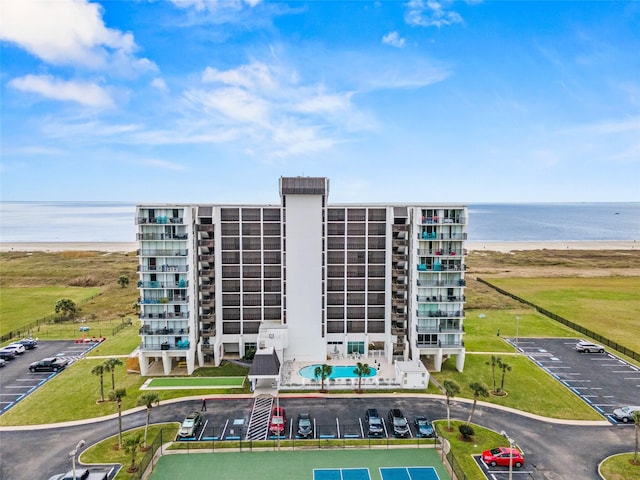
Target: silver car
{"x": 587, "y": 347}
{"x": 190, "y": 425}
{"x": 623, "y": 414}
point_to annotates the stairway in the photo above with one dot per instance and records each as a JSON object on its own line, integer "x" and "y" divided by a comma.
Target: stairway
{"x": 260, "y": 417}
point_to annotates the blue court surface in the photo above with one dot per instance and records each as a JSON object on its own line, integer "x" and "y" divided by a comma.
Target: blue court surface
{"x": 386, "y": 473}
{"x": 409, "y": 473}
{"x": 341, "y": 474}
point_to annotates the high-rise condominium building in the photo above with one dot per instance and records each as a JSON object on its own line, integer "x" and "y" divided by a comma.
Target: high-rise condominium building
{"x": 304, "y": 277}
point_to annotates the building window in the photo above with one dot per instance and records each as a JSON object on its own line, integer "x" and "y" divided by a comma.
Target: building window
{"x": 355, "y": 347}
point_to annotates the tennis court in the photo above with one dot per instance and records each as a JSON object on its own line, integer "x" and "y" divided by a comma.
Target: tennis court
{"x": 374, "y": 464}
{"x": 387, "y": 473}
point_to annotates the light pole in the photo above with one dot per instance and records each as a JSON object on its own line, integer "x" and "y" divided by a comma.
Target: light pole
{"x": 511, "y": 443}
{"x": 73, "y": 454}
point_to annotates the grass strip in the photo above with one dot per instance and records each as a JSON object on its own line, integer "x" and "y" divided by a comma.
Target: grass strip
{"x": 196, "y": 382}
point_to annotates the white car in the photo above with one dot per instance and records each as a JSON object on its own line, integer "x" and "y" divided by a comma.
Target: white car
{"x": 623, "y": 414}
{"x": 587, "y": 347}
{"x": 3, "y": 362}
{"x": 16, "y": 348}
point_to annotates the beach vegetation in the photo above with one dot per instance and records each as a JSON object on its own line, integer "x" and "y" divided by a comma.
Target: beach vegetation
{"x": 66, "y": 307}
{"x": 123, "y": 281}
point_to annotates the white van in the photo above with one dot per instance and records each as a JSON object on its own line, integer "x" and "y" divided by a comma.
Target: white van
{"x": 623, "y": 414}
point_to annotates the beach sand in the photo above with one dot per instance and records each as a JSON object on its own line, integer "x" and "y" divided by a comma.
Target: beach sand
{"x": 129, "y": 247}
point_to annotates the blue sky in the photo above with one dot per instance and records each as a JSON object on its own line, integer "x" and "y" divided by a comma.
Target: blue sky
{"x": 212, "y": 101}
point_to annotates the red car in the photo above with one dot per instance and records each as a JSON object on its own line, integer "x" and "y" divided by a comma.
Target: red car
{"x": 502, "y": 455}
{"x": 278, "y": 421}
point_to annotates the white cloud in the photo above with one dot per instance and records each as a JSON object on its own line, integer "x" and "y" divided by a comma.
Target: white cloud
{"x": 84, "y": 93}
{"x": 69, "y": 32}
{"x": 330, "y": 103}
{"x": 214, "y": 5}
{"x": 163, "y": 164}
{"x": 256, "y": 75}
{"x": 430, "y": 13}
{"x": 393, "y": 39}
{"x": 160, "y": 84}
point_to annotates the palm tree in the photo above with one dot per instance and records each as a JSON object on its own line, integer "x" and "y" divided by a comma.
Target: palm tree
{"x": 131, "y": 444}
{"x": 117, "y": 396}
{"x": 123, "y": 281}
{"x": 323, "y": 372}
{"x": 362, "y": 369}
{"x": 451, "y": 389}
{"x": 479, "y": 390}
{"x": 495, "y": 361}
{"x": 110, "y": 365}
{"x": 635, "y": 416}
{"x": 148, "y": 400}
{"x": 99, "y": 370}
{"x": 505, "y": 367}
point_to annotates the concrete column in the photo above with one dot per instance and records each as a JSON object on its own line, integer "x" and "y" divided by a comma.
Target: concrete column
{"x": 191, "y": 361}
{"x": 437, "y": 360}
{"x": 460, "y": 361}
{"x": 166, "y": 363}
{"x": 143, "y": 360}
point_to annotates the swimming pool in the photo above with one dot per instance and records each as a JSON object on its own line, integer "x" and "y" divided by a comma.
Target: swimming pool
{"x": 337, "y": 371}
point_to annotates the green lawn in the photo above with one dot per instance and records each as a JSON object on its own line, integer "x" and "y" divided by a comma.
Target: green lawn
{"x": 197, "y": 382}
{"x": 79, "y": 384}
{"x": 482, "y": 327}
{"x": 524, "y": 384}
{"x": 609, "y": 306}
{"x": 22, "y": 305}
{"x": 483, "y": 439}
{"x": 619, "y": 467}
{"x": 106, "y": 451}
{"x": 124, "y": 342}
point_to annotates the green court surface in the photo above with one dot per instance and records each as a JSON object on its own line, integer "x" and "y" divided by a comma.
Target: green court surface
{"x": 195, "y": 382}
{"x": 290, "y": 465}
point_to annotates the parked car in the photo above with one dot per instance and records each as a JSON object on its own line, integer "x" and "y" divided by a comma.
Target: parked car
{"x": 81, "y": 474}
{"x": 29, "y": 343}
{"x": 190, "y": 425}
{"x": 623, "y": 414}
{"x": 3, "y": 362}
{"x": 424, "y": 427}
{"x": 278, "y": 421}
{"x": 305, "y": 426}
{"x": 7, "y": 354}
{"x": 50, "y": 364}
{"x": 502, "y": 456}
{"x": 398, "y": 423}
{"x": 17, "y": 348}
{"x": 374, "y": 423}
{"x": 587, "y": 347}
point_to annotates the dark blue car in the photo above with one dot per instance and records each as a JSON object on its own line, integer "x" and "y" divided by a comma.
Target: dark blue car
{"x": 424, "y": 427}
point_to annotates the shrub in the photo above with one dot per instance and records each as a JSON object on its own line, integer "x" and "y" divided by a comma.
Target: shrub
{"x": 466, "y": 431}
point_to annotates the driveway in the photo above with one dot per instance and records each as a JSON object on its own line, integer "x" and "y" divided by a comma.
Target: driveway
{"x": 553, "y": 451}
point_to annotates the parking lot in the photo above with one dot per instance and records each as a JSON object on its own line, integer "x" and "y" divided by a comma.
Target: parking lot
{"x": 327, "y": 424}
{"x": 16, "y": 382}
{"x": 602, "y": 380}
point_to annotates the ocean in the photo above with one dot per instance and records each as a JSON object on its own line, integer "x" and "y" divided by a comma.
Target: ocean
{"x": 517, "y": 222}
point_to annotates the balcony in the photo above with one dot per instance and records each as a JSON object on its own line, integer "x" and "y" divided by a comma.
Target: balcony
{"x": 161, "y": 236}
{"x": 430, "y": 329}
{"x": 440, "y": 314}
{"x": 439, "y": 344}
{"x": 162, "y": 268}
{"x": 179, "y": 284}
{"x": 163, "y": 315}
{"x": 161, "y": 220}
{"x": 166, "y": 252}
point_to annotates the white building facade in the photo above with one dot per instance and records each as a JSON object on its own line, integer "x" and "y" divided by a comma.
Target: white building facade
{"x": 304, "y": 277}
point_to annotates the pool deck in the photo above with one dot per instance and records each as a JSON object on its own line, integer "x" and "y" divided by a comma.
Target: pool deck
{"x": 384, "y": 378}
